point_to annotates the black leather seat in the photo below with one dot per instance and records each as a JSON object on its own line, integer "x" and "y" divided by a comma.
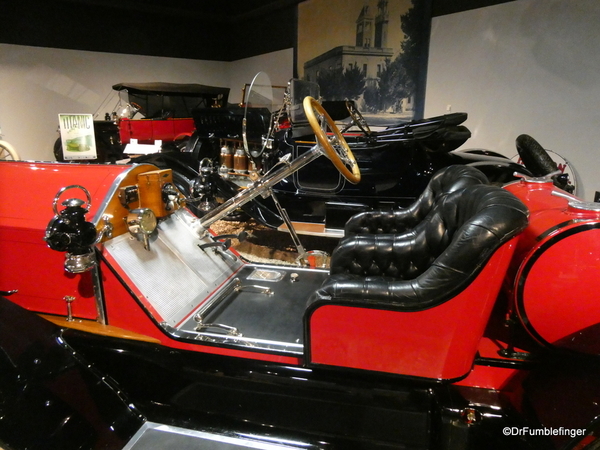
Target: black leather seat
{"x": 443, "y": 182}
{"x": 432, "y": 261}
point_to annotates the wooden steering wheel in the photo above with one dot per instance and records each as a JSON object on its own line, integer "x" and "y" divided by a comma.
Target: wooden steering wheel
{"x": 336, "y": 148}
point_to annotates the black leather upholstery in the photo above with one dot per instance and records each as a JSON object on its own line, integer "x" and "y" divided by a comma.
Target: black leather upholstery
{"x": 430, "y": 263}
{"x": 443, "y": 182}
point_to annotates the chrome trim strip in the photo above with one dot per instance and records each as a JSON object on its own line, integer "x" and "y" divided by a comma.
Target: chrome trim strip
{"x": 234, "y": 340}
{"x": 154, "y": 435}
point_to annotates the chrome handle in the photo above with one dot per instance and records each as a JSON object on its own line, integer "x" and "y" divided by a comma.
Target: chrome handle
{"x": 260, "y": 289}
{"x": 231, "y": 331}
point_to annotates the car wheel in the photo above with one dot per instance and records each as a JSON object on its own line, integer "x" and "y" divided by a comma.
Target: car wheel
{"x": 7, "y": 152}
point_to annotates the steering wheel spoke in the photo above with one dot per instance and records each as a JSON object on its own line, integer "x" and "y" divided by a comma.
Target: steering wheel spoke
{"x": 336, "y": 148}
{"x": 357, "y": 118}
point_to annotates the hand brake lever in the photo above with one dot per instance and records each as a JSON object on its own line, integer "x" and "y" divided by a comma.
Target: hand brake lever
{"x": 220, "y": 249}
{"x": 218, "y": 244}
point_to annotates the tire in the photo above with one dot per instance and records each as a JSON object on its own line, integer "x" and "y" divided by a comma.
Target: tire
{"x": 57, "y": 150}
{"x": 534, "y": 157}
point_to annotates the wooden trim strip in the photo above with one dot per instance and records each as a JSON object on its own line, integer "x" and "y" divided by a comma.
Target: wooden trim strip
{"x": 94, "y": 327}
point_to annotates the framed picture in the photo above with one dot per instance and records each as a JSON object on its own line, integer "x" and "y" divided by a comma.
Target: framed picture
{"x": 373, "y": 52}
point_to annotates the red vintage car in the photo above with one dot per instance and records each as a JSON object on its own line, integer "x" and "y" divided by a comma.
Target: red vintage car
{"x": 148, "y": 117}
{"x": 472, "y": 323}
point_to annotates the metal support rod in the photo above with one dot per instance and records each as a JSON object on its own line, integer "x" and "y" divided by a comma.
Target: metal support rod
{"x": 99, "y": 296}
{"x": 260, "y": 187}
{"x": 288, "y": 223}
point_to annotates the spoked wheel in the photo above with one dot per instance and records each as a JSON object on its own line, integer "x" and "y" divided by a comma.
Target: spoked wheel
{"x": 336, "y": 148}
{"x": 7, "y": 152}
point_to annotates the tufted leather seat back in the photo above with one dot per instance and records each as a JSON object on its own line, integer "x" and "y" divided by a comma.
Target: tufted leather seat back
{"x": 432, "y": 261}
{"x": 443, "y": 182}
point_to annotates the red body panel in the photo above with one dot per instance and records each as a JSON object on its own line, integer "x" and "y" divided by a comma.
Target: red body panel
{"x": 487, "y": 376}
{"x": 538, "y": 196}
{"x": 150, "y": 130}
{"x": 554, "y": 292}
{"x": 544, "y": 209}
{"x": 27, "y": 263}
{"x": 439, "y": 343}
{"x": 32, "y": 209}
{"x": 559, "y": 302}
{"x": 25, "y": 257}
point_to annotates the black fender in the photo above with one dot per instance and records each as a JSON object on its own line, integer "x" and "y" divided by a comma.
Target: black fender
{"x": 563, "y": 393}
{"x": 52, "y": 397}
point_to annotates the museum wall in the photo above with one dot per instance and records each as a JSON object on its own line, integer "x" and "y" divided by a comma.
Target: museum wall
{"x": 529, "y": 66}
{"x": 36, "y": 84}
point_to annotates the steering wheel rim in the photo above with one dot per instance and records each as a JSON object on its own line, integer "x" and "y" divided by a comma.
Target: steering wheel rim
{"x": 357, "y": 118}
{"x": 340, "y": 159}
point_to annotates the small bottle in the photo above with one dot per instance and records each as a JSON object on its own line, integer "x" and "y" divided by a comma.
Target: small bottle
{"x": 240, "y": 161}
{"x": 226, "y": 157}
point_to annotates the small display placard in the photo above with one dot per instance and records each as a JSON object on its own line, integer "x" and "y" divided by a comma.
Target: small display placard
{"x": 77, "y": 136}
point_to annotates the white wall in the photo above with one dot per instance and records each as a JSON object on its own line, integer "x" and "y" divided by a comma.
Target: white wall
{"x": 527, "y": 66}
{"x": 279, "y": 66}
{"x": 36, "y": 84}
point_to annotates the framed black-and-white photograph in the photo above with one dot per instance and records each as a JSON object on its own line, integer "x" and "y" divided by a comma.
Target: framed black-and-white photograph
{"x": 373, "y": 52}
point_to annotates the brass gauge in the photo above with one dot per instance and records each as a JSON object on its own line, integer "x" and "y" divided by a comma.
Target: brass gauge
{"x": 141, "y": 223}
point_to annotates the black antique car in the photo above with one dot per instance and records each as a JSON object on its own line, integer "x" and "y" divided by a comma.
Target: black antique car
{"x": 243, "y": 143}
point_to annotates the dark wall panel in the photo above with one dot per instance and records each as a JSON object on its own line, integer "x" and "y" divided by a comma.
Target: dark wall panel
{"x": 268, "y": 33}
{"x": 173, "y": 29}
{"x": 92, "y": 27}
